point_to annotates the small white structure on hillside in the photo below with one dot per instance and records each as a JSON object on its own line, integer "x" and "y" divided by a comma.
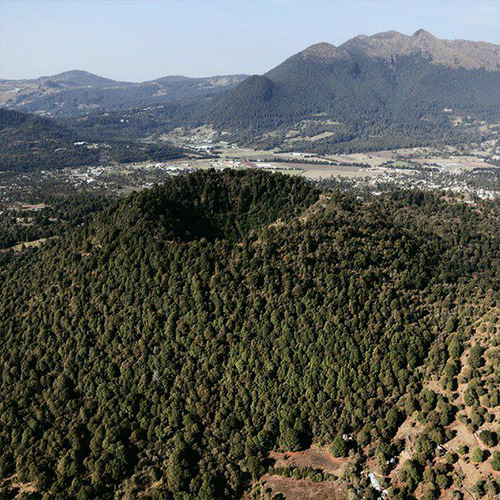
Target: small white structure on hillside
{"x": 376, "y": 484}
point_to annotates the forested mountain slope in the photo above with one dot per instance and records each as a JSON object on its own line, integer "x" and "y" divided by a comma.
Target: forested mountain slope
{"x": 378, "y": 91}
{"x": 163, "y": 349}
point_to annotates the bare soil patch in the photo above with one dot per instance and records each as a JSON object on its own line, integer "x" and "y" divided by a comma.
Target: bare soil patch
{"x": 304, "y": 489}
{"x": 315, "y": 457}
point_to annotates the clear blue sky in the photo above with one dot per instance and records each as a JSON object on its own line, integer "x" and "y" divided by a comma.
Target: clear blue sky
{"x": 139, "y": 40}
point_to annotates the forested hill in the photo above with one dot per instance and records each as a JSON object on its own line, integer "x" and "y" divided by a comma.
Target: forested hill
{"x": 163, "y": 349}
{"x": 29, "y": 142}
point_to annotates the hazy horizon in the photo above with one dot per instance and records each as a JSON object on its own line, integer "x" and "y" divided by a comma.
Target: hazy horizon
{"x": 139, "y": 41}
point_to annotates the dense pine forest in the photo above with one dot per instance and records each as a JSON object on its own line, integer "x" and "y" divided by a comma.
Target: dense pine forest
{"x": 164, "y": 348}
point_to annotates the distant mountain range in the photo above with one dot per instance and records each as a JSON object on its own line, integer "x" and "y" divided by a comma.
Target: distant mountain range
{"x": 382, "y": 91}
{"x": 75, "y": 93}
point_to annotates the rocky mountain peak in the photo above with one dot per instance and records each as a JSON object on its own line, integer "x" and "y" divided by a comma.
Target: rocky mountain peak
{"x": 321, "y": 50}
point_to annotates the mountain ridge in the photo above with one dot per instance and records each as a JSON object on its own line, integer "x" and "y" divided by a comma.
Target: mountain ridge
{"x": 419, "y": 39}
{"x": 80, "y": 73}
{"x": 387, "y": 44}
{"x": 453, "y": 53}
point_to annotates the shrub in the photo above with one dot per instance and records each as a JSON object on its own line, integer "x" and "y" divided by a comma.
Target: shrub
{"x": 339, "y": 447}
{"x": 488, "y": 438}
{"x": 495, "y": 461}
{"x": 410, "y": 474}
{"x": 477, "y": 455}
